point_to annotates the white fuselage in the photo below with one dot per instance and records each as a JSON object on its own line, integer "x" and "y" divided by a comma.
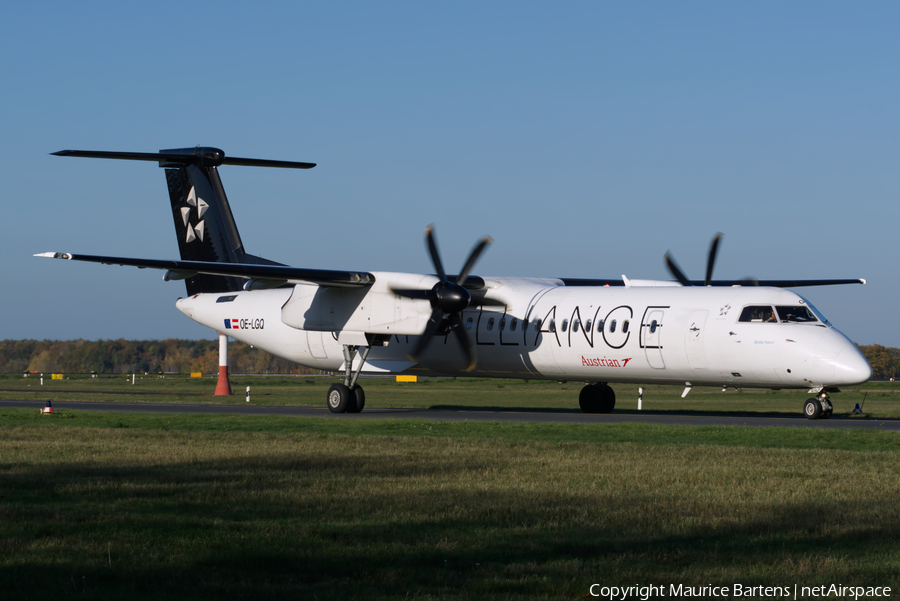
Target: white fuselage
{"x": 639, "y": 334}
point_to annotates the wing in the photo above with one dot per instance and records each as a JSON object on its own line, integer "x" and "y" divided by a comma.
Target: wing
{"x": 747, "y": 282}
{"x": 257, "y": 276}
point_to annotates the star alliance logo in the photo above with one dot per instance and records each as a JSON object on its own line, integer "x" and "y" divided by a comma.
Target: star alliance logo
{"x": 194, "y": 232}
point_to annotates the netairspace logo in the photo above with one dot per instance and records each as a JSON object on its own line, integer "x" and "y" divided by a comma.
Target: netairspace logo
{"x": 645, "y": 592}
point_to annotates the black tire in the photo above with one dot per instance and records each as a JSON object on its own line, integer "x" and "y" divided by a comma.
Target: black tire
{"x": 812, "y": 409}
{"x": 608, "y": 401}
{"x": 590, "y": 398}
{"x": 339, "y": 397}
{"x": 358, "y": 400}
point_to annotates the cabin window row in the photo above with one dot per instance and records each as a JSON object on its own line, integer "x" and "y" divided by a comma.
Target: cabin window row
{"x": 514, "y": 323}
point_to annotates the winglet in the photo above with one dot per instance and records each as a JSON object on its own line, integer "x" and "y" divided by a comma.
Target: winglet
{"x": 52, "y": 255}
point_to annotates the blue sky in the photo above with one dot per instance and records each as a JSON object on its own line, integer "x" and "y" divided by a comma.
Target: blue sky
{"x": 586, "y": 138}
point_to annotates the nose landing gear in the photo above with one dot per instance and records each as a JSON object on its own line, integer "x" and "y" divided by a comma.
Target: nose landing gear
{"x": 818, "y": 408}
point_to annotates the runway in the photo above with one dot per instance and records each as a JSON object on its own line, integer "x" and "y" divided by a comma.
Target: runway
{"x": 460, "y": 414}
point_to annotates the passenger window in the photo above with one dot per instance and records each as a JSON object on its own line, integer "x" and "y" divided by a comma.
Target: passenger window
{"x": 502, "y": 323}
{"x": 552, "y": 325}
{"x": 575, "y": 326}
{"x": 587, "y": 326}
{"x": 612, "y": 326}
{"x": 600, "y": 326}
{"x": 758, "y": 314}
{"x": 490, "y": 324}
{"x": 653, "y": 325}
{"x": 537, "y": 325}
{"x": 469, "y": 323}
{"x": 565, "y": 325}
{"x": 513, "y": 323}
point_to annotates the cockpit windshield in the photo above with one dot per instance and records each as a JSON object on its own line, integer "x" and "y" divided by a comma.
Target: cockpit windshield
{"x": 816, "y": 312}
{"x": 761, "y": 313}
{"x": 798, "y": 314}
{"x": 780, "y": 314}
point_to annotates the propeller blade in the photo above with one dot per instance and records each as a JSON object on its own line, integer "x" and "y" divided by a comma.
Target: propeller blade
{"x": 711, "y": 261}
{"x": 473, "y": 256}
{"x": 416, "y": 293}
{"x": 464, "y": 340}
{"x": 675, "y": 271}
{"x": 435, "y": 255}
{"x": 433, "y": 323}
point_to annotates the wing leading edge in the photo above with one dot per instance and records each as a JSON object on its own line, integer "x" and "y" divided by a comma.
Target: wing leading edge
{"x": 767, "y": 283}
{"x": 257, "y": 276}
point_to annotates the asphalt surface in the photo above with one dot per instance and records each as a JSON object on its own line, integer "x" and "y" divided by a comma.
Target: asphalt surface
{"x": 473, "y": 414}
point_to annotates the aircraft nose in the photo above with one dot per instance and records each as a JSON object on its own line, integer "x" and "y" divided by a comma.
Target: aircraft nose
{"x": 852, "y": 367}
{"x": 839, "y": 361}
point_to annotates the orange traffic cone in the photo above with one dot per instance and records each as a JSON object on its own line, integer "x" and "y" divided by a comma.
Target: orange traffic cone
{"x": 48, "y": 409}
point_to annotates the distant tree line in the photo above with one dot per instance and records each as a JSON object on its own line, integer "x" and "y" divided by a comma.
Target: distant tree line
{"x": 186, "y": 356}
{"x": 137, "y": 356}
{"x": 885, "y": 360}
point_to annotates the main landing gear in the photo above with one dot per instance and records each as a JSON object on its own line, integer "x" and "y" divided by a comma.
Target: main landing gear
{"x": 818, "y": 408}
{"x": 597, "y": 398}
{"x": 349, "y": 397}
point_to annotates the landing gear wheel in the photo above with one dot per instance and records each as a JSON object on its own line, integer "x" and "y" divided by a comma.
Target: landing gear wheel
{"x": 812, "y": 409}
{"x": 358, "y": 398}
{"x": 609, "y": 400}
{"x": 590, "y": 398}
{"x": 597, "y": 398}
{"x": 339, "y": 397}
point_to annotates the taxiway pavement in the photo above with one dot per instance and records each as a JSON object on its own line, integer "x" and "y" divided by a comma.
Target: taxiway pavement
{"x": 471, "y": 414}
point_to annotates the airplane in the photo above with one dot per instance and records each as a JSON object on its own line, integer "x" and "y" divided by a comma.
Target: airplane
{"x": 725, "y": 333}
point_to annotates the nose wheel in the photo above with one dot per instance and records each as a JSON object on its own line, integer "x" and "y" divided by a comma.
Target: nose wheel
{"x": 818, "y": 408}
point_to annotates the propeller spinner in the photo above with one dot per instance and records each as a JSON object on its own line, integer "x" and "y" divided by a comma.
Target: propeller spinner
{"x": 448, "y": 300}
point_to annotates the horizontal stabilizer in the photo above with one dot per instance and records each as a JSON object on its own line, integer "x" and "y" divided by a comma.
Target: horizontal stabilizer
{"x": 256, "y": 273}
{"x": 204, "y": 156}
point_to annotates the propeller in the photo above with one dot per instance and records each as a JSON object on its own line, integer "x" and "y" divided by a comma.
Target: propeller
{"x": 710, "y": 263}
{"x": 448, "y": 300}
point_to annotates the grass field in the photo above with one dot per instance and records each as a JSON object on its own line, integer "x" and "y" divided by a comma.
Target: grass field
{"x": 879, "y": 399}
{"x": 100, "y": 506}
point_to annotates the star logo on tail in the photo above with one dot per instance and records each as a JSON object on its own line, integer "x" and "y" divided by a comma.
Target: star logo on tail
{"x": 194, "y": 232}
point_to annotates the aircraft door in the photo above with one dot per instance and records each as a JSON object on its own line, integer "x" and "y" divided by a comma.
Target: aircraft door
{"x": 693, "y": 339}
{"x": 651, "y": 336}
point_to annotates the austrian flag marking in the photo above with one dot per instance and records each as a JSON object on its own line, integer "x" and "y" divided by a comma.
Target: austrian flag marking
{"x": 604, "y": 362}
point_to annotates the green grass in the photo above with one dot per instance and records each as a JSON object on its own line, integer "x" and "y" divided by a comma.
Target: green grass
{"x": 880, "y": 399}
{"x": 264, "y": 507}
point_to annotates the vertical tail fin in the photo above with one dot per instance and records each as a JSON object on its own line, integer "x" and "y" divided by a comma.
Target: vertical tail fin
{"x": 204, "y": 225}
